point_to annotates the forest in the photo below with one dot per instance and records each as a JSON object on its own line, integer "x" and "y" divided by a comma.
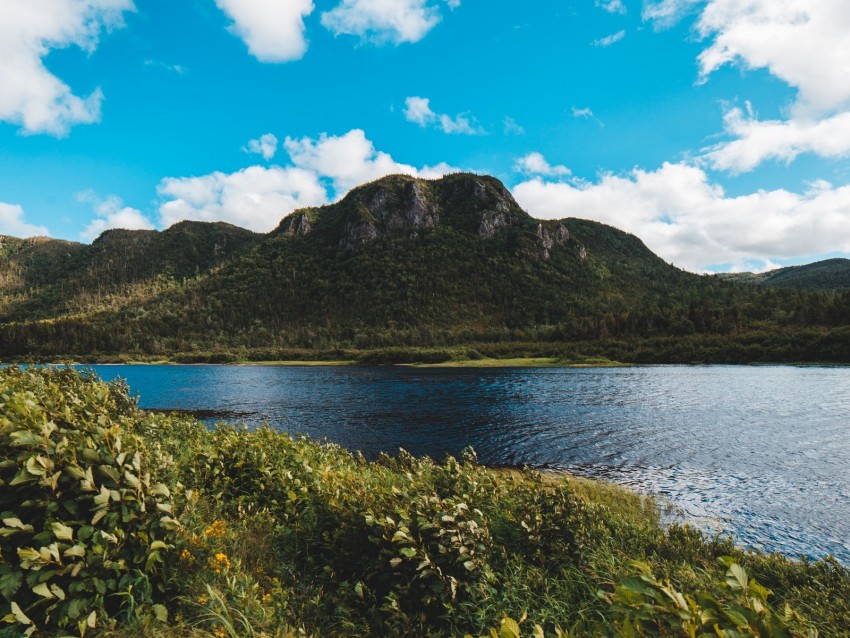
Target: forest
{"x": 406, "y": 264}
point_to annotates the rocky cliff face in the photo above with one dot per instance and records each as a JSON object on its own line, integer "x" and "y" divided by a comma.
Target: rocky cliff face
{"x": 402, "y": 205}
{"x": 389, "y": 208}
{"x": 298, "y": 223}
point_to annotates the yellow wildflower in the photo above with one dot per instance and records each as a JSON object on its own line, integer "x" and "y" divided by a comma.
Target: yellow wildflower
{"x": 219, "y": 631}
{"x": 202, "y": 600}
{"x": 216, "y": 530}
{"x": 267, "y": 598}
{"x": 186, "y": 556}
{"x": 196, "y": 541}
{"x": 219, "y": 563}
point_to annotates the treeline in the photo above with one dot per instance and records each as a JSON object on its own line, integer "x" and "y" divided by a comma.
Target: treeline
{"x": 569, "y": 284}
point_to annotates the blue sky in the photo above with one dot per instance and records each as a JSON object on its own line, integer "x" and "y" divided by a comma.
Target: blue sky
{"x": 718, "y": 131}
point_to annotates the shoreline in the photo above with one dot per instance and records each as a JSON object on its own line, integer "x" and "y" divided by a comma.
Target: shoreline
{"x": 485, "y": 363}
{"x": 513, "y": 362}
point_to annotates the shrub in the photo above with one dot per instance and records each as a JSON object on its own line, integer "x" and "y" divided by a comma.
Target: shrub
{"x": 85, "y": 527}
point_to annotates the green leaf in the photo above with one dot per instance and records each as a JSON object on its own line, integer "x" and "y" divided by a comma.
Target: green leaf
{"x": 16, "y": 523}
{"x": 160, "y": 612}
{"x": 10, "y": 582}
{"x": 510, "y": 629}
{"x": 78, "y": 551}
{"x": 19, "y": 615}
{"x": 62, "y": 532}
{"x": 42, "y": 590}
{"x": 736, "y": 577}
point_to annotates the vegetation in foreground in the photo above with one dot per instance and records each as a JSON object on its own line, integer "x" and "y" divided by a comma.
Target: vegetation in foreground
{"x": 120, "y": 523}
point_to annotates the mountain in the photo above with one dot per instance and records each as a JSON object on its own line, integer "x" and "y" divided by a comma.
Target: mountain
{"x": 829, "y": 274}
{"x": 48, "y": 278}
{"x": 399, "y": 262}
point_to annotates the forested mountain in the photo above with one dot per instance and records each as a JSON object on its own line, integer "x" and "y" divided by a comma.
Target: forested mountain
{"x": 399, "y": 262}
{"x": 829, "y": 274}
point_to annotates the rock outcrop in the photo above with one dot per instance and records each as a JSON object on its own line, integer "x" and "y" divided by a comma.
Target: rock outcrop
{"x": 298, "y": 223}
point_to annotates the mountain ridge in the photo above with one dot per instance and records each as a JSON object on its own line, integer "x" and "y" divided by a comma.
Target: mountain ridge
{"x": 397, "y": 262}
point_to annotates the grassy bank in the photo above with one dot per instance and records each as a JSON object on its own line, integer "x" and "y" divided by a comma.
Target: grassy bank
{"x": 804, "y": 345}
{"x": 122, "y": 523}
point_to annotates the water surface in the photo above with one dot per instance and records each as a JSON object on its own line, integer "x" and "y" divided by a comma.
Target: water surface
{"x": 760, "y": 451}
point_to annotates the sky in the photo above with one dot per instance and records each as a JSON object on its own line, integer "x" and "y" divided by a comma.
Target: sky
{"x": 717, "y": 131}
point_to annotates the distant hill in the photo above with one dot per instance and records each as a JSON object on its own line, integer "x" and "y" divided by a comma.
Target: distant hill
{"x": 400, "y": 262}
{"x": 829, "y": 274}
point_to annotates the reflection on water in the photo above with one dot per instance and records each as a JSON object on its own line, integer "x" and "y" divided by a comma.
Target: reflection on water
{"x": 763, "y": 452}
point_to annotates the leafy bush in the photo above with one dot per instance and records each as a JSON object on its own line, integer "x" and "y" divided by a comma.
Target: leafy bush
{"x": 85, "y": 527}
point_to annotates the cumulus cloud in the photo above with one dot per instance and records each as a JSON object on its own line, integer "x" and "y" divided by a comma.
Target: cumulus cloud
{"x": 418, "y": 110}
{"x": 608, "y": 40}
{"x": 351, "y": 159}
{"x": 256, "y": 197}
{"x": 111, "y": 213}
{"x": 757, "y": 140}
{"x": 536, "y": 164}
{"x": 380, "y": 21}
{"x": 689, "y": 220}
{"x": 612, "y": 6}
{"x": 12, "y": 223}
{"x": 805, "y": 44}
{"x": 273, "y": 30}
{"x": 32, "y": 96}
{"x": 265, "y": 146}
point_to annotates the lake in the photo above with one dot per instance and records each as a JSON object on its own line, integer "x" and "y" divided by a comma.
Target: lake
{"x": 762, "y": 452}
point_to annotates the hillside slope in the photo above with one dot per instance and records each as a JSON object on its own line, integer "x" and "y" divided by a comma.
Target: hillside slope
{"x": 397, "y": 262}
{"x": 829, "y": 274}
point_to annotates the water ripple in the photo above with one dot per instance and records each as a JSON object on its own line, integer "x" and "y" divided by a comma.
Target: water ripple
{"x": 762, "y": 452}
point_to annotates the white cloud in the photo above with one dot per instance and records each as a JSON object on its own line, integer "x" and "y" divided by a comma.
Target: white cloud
{"x": 586, "y": 113}
{"x": 256, "y": 197}
{"x": 758, "y": 141}
{"x": 381, "y": 21}
{"x": 418, "y": 110}
{"x": 664, "y": 13}
{"x": 111, "y": 213}
{"x": 350, "y": 160}
{"x": 687, "y": 219}
{"x": 536, "y": 164}
{"x": 12, "y": 223}
{"x": 805, "y": 44}
{"x": 272, "y": 29}
{"x": 512, "y": 127}
{"x": 608, "y": 40}
{"x": 265, "y": 146}
{"x": 612, "y": 6}
{"x": 165, "y": 66}
{"x": 32, "y": 96}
